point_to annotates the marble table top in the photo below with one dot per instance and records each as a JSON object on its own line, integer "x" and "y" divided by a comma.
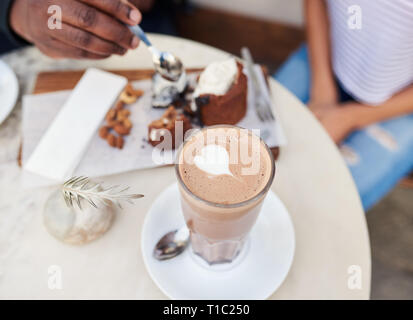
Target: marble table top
{"x": 312, "y": 180}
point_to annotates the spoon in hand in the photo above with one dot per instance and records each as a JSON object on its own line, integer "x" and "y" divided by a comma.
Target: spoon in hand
{"x": 172, "y": 244}
{"x": 166, "y": 64}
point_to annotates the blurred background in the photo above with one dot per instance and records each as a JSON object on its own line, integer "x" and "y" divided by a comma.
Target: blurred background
{"x": 273, "y": 29}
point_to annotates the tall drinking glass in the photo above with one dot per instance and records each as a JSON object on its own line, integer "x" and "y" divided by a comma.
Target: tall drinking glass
{"x": 220, "y": 207}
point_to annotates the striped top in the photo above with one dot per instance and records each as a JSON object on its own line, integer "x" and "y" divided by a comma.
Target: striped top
{"x": 375, "y": 61}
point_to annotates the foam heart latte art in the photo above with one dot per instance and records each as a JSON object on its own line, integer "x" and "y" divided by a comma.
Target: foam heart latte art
{"x": 225, "y": 165}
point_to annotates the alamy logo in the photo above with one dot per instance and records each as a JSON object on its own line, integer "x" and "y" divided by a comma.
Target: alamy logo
{"x": 54, "y": 281}
{"x": 354, "y": 21}
{"x": 354, "y": 281}
{"x": 55, "y": 20}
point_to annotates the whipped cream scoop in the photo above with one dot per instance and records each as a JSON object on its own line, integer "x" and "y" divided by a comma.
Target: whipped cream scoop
{"x": 217, "y": 78}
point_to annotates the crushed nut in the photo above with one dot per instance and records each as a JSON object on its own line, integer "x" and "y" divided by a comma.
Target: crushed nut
{"x": 121, "y": 129}
{"x": 127, "y": 123}
{"x": 111, "y": 139}
{"x": 130, "y": 90}
{"x": 127, "y": 98}
{"x": 119, "y": 142}
{"x": 111, "y": 115}
{"x": 112, "y": 123}
{"x": 122, "y": 115}
{"x": 119, "y": 105}
{"x": 103, "y": 132}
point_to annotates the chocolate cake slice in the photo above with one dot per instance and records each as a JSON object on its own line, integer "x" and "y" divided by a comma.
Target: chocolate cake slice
{"x": 221, "y": 94}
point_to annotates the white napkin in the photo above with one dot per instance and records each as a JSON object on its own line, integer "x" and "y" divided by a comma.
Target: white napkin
{"x": 67, "y": 137}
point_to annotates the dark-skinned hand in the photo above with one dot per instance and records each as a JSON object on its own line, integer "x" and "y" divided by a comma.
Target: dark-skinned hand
{"x": 91, "y": 29}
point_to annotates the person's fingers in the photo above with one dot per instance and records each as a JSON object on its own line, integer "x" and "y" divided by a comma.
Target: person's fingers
{"x": 58, "y": 50}
{"x": 94, "y": 21}
{"x": 122, "y": 10}
{"x": 85, "y": 40}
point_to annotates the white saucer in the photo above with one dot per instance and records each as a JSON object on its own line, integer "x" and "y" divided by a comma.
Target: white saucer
{"x": 257, "y": 276}
{"x": 9, "y": 90}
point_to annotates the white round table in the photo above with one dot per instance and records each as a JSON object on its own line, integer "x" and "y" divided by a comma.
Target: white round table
{"x": 332, "y": 244}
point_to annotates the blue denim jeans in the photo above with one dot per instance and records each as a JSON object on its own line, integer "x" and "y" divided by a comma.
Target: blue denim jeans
{"x": 378, "y": 156}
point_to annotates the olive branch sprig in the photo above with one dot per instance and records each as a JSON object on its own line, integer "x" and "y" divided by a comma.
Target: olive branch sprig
{"x": 82, "y": 188}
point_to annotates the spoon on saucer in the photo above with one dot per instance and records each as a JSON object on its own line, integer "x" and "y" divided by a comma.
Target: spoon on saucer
{"x": 166, "y": 64}
{"x": 172, "y": 244}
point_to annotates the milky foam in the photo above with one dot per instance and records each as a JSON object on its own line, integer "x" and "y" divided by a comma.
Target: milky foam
{"x": 214, "y": 159}
{"x": 223, "y": 165}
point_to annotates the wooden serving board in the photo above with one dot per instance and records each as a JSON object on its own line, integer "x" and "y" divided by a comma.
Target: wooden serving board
{"x": 66, "y": 80}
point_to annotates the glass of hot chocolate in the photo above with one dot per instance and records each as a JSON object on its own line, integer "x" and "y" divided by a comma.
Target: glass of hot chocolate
{"x": 224, "y": 173}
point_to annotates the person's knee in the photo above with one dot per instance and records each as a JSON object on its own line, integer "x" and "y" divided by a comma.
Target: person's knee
{"x": 378, "y": 157}
{"x": 294, "y": 74}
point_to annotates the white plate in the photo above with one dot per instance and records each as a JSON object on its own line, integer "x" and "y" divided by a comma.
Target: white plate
{"x": 257, "y": 276}
{"x": 9, "y": 90}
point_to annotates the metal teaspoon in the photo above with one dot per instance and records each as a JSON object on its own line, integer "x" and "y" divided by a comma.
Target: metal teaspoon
{"x": 166, "y": 64}
{"x": 172, "y": 244}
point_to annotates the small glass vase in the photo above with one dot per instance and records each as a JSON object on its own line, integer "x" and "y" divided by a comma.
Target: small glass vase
{"x": 74, "y": 225}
